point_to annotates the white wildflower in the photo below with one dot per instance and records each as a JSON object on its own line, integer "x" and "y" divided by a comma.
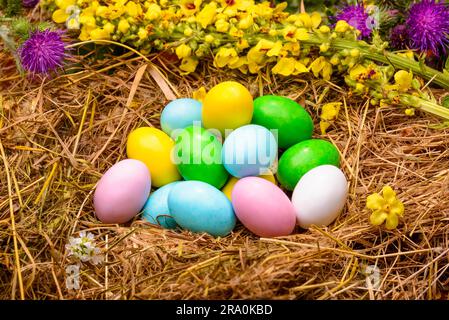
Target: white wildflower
{"x": 84, "y": 249}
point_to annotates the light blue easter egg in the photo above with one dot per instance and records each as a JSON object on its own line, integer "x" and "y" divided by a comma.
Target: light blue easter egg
{"x": 156, "y": 209}
{"x": 200, "y": 207}
{"x": 250, "y": 150}
{"x": 179, "y": 114}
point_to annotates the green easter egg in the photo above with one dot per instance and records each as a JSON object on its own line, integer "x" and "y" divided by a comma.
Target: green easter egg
{"x": 293, "y": 122}
{"x": 197, "y": 154}
{"x": 304, "y": 156}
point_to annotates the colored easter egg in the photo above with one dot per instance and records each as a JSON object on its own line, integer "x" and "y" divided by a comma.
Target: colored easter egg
{"x": 179, "y": 114}
{"x": 304, "y": 156}
{"x": 197, "y": 154}
{"x": 156, "y": 209}
{"x": 228, "y": 105}
{"x": 320, "y": 196}
{"x": 249, "y": 151}
{"x": 293, "y": 122}
{"x": 200, "y": 207}
{"x": 122, "y": 191}
{"x": 263, "y": 208}
{"x": 229, "y": 186}
{"x": 153, "y": 147}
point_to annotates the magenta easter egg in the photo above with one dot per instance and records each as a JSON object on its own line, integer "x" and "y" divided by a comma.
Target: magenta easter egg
{"x": 263, "y": 208}
{"x": 122, "y": 191}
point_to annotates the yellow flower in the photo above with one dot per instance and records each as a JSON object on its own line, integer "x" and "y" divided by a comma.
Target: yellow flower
{"x": 321, "y": 66}
{"x": 242, "y": 44}
{"x": 188, "y": 65}
{"x": 342, "y": 26}
{"x": 289, "y": 33}
{"x": 222, "y": 25}
{"x": 241, "y": 62}
{"x": 235, "y": 32}
{"x": 225, "y": 56}
{"x": 300, "y": 68}
{"x": 133, "y": 9}
{"x": 183, "y": 51}
{"x": 99, "y": 34}
{"x": 308, "y": 21}
{"x": 410, "y": 111}
{"x": 199, "y": 94}
{"x": 189, "y": 7}
{"x": 123, "y": 26}
{"x": 142, "y": 33}
{"x": 246, "y": 22}
{"x": 285, "y": 66}
{"x": 325, "y": 29}
{"x": 65, "y": 10}
{"x": 292, "y": 47}
{"x": 329, "y": 112}
{"x": 302, "y": 34}
{"x": 188, "y": 32}
{"x": 207, "y": 14}
{"x": 386, "y": 208}
{"x": 153, "y": 12}
{"x": 209, "y": 38}
{"x": 109, "y": 27}
{"x": 289, "y": 66}
{"x": 257, "y": 53}
{"x": 403, "y": 80}
{"x": 324, "y": 47}
{"x": 275, "y": 51}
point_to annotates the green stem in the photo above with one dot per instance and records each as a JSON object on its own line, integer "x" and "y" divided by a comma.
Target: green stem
{"x": 425, "y": 105}
{"x": 437, "y": 77}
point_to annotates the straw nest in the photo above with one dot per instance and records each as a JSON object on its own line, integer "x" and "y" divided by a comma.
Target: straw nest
{"x": 58, "y": 136}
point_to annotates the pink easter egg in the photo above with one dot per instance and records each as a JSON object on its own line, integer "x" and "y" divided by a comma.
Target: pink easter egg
{"x": 122, "y": 191}
{"x": 263, "y": 207}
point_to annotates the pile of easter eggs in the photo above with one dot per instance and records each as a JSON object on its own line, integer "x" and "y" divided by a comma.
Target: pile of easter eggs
{"x": 228, "y": 158}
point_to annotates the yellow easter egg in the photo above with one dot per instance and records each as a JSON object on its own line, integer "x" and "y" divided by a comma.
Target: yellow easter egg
{"x": 228, "y": 105}
{"x": 229, "y": 186}
{"x": 153, "y": 147}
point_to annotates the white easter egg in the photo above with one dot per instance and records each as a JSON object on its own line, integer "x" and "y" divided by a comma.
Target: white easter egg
{"x": 320, "y": 196}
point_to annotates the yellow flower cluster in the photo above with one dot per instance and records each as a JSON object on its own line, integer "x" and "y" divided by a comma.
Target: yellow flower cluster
{"x": 253, "y": 37}
{"x": 240, "y": 34}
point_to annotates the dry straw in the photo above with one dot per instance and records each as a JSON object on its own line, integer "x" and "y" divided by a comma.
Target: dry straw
{"x": 58, "y": 136}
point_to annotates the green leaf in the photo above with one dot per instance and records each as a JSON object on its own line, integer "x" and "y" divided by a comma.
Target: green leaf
{"x": 10, "y": 45}
{"x": 446, "y": 65}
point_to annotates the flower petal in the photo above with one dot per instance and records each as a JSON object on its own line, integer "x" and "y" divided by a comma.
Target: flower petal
{"x": 392, "y": 221}
{"x": 389, "y": 194}
{"x": 397, "y": 208}
{"x": 378, "y": 217}
{"x": 375, "y": 201}
{"x": 60, "y": 16}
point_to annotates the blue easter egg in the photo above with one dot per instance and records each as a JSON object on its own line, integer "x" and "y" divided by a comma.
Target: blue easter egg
{"x": 179, "y": 114}
{"x": 156, "y": 209}
{"x": 200, "y": 207}
{"x": 250, "y": 150}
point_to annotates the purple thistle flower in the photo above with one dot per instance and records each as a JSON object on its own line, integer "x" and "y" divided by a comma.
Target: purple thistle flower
{"x": 399, "y": 37}
{"x": 356, "y": 16}
{"x": 428, "y": 26}
{"x": 30, "y": 3}
{"x": 43, "y": 52}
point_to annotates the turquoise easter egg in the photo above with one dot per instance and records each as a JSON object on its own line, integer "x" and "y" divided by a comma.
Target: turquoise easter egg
{"x": 303, "y": 157}
{"x": 290, "y": 119}
{"x": 156, "y": 209}
{"x": 200, "y": 207}
{"x": 197, "y": 153}
{"x": 179, "y": 114}
{"x": 250, "y": 150}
